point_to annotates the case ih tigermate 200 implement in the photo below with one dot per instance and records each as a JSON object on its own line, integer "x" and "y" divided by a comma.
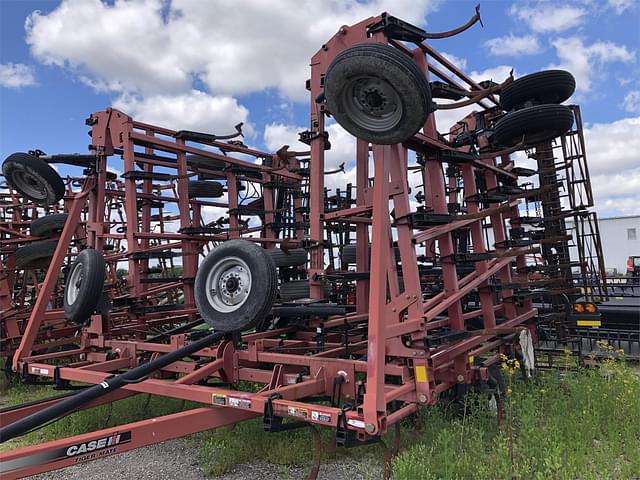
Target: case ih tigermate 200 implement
{"x": 351, "y": 308}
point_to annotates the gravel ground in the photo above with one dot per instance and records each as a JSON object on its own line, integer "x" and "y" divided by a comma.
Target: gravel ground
{"x": 178, "y": 459}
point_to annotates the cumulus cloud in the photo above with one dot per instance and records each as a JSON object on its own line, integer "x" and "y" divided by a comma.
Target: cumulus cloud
{"x": 549, "y": 17}
{"x": 152, "y": 46}
{"x": 194, "y": 110}
{"x": 620, "y": 6}
{"x": 631, "y": 101}
{"x": 16, "y": 75}
{"x": 511, "y": 45}
{"x": 585, "y": 61}
{"x": 616, "y": 144}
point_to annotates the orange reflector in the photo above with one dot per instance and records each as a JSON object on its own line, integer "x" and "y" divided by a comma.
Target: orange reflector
{"x": 578, "y": 307}
{"x": 590, "y": 308}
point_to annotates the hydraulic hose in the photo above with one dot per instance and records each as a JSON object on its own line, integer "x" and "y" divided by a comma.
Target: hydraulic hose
{"x": 83, "y": 397}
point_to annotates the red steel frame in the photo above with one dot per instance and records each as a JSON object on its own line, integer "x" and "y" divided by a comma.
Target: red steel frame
{"x": 385, "y": 338}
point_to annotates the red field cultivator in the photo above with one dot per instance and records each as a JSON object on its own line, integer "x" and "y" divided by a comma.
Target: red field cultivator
{"x": 350, "y": 309}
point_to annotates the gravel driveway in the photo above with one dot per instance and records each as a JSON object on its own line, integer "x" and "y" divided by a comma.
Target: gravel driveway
{"x": 178, "y": 459}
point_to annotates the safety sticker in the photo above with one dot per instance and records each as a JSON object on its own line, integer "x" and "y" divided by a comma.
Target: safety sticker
{"x": 218, "y": 399}
{"x": 39, "y": 371}
{"x": 239, "y": 402}
{"x": 355, "y": 423}
{"x": 298, "y": 412}
{"x": 320, "y": 417}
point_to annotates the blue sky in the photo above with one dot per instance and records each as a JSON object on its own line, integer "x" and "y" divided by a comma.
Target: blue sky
{"x": 197, "y": 64}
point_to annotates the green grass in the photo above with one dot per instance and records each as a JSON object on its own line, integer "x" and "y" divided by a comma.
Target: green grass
{"x": 566, "y": 424}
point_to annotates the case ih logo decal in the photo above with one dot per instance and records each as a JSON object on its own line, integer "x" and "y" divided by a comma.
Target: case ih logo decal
{"x": 80, "y": 452}
{"x": 99, "y": 444}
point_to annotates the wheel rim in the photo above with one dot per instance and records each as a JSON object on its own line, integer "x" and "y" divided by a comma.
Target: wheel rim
{"x": 372, "y": 103}
{"x": 228, "y": 284}
{"x": 73, "y": 286}
{"x": 29, "y": 184}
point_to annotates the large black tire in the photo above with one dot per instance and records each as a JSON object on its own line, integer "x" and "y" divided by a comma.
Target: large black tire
{"x": 49, "y": 225}
{"x": 295, "y": 290}
{"x": 34, "y": 178}
{"x": 377, "y": 93}
{"x": 533, "y": 125}
{"x": 35, "y": 255}
{"x": 205, "y": 189}
{"x": 245, "y": 281}
{"x": 549, "y": 86}
{"x": 85, "y": 283}
{"x": 291, "y": 258}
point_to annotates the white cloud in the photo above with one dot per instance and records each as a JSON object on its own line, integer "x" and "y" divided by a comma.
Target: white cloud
{"x": 585, "y": 61}
{"x": 613, "y": 159}
{"x": 549, "y": 17}
{"x": 631, "y": 101}
{"x": 16, "y": 75}
{"x": 194, "y": 110}
{"x": 459, "y": 62}
{"x": 152, "y": 46}
{"x": 615, "y": 144}
{"x": 511, "y": 45}
{"x": 620, "y": 6}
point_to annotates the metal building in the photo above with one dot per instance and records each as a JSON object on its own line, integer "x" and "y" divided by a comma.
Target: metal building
{"x": 620, "y": 239}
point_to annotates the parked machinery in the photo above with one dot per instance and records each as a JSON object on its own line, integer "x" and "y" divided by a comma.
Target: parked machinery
{"x": 351, "y": 309}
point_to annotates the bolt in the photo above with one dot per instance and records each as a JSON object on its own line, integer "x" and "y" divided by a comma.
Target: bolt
{"x": 370, "y": 427}
{"x": 460, "y": 378}
{"x": 422, "y": 398}
{"x": 414, "y": 353}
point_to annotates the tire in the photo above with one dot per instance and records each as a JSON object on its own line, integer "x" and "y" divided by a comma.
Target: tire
{"x": 549, "y": 86}
{"x": 49, "y": 225}
{"x": 231, "y": 267}
{"x": 294, "y": 257}
{"x": 377, "y": 93}
{"x": 205, "y": 189}
{"x": 533, "y": 124}
{"x": 84, "y": 286}
{"x": 295, "y": 290}
{"x": 34, "y": 178}
{"x": 35, "y": 255}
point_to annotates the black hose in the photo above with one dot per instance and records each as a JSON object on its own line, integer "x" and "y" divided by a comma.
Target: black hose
{"x": 26, "y": 424}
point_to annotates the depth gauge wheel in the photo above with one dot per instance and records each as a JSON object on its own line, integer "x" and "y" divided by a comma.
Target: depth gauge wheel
{"x": 549, "y": 86}
{"x": 49, "y": 225}
{"x": 84, "y": 285}
{"x": 34, "y": 178}
{"x": 377, "y": 93}
{"x": 35, "y": 255}
{"x": 533, "y": 125}
{"x": 236, "y": 286}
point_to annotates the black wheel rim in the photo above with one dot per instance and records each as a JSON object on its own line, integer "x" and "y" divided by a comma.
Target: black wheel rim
{"x": 30, "y": 185}
{"x": 372, "y": 103}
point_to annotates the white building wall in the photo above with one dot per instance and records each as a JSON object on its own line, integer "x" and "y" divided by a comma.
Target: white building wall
{"x": 620, "y": 239}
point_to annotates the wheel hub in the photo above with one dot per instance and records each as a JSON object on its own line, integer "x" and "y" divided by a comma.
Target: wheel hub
{"x": 29, "y": 184}
{"x": 372, "y": 103}
{"x": 229, "y": 284}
